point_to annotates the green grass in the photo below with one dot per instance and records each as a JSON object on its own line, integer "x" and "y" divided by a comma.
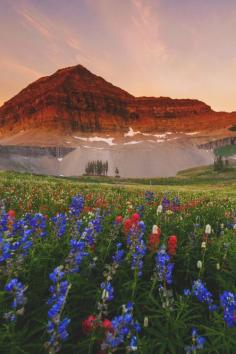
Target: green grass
{"x": 226, "y": 151}
{"x": 195, "y": 179}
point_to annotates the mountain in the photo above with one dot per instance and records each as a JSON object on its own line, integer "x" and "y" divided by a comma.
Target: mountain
{"x": 74, "y": 99}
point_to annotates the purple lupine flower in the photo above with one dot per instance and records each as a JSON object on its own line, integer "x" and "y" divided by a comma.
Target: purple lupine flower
{"x": 59, "y": 222}
{"x": 76, "y": 206}
{"x": 57, "y": 327}
{"x": 198, "y": 343}
{"x": 124, "y": 327}
{"x": 137, "y": 246}
{"x": 228, "y": 302}
{"x": 17, "y": 290}
{"x": 163, "y": 267}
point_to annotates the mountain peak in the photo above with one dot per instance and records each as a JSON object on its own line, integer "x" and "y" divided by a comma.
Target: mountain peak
{"x": 75, "y": 69}
{"x": 74, "y": 98}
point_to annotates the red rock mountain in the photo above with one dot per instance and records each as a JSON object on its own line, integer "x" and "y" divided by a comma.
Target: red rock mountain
{"x": 75, "y": 99}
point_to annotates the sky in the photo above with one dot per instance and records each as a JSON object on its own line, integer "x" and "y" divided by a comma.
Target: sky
{"x": 174, "y": 48}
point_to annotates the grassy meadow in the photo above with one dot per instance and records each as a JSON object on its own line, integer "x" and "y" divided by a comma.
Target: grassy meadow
{"x": 104, "y": 265}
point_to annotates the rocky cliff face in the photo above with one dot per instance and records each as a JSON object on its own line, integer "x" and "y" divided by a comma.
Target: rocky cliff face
{"x": 75, "y": 99}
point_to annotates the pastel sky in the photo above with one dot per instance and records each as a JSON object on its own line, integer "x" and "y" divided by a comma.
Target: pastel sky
{"x": 176, "y": 48}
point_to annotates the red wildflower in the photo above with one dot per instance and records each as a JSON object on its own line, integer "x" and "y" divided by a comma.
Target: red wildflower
{"x": 153, "y": 242}
{"x": 107, "y": 325}
{"x": 135, "y": 217}
{"x": 172, "y": 245}
{"x": 88, "y": 325}
{"x": 127, "y": 225}
{"x": 11, "y": 213}
{"x": 119, "y": 219}
{"x": 87, "y": 209}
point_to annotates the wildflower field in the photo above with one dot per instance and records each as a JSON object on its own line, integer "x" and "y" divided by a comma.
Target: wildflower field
{"x": 88, "y": 268}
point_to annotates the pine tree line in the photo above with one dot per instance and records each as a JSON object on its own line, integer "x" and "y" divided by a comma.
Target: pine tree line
{"x": 220, "y": 164}
{"x": 96, "y": 168}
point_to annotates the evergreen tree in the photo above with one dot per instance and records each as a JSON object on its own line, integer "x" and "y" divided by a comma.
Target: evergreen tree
{"x": 96, "y": 168}
{"x": 117, "y": 173}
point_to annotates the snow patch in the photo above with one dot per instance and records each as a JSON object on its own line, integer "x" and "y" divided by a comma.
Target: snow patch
{"x": 160, "y": 136}
{"x": 108, "y": 141}
{"x": 78, "y": 137}
{"x": 131, "y": 133}
{"x": 172, "y": 138}
{"x": 192, "y": 133}
{"x": 133, "y": 142}
{"x": 91, "y": 147}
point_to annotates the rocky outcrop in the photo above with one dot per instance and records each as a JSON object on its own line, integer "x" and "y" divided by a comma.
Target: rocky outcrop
{"x": 74, "y": 99}
{"x": 211, "y": 145}
{"x": 35, "y": 151}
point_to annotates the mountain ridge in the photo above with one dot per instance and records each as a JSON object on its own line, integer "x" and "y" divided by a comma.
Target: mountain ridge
{"x": 75, "y": 99}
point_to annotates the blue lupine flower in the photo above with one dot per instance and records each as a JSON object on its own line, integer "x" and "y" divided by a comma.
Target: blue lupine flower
{"x": 76, "y": 206}
{"x": 137, "y": 246}
{"x": 175, "y": 203}
{"x": 5, "y": 250}
{"x": 203, "y": 295}
{"x": 228, "y": 302}
{"x": 3, "y": 222}
{"x": 198, "y": 343}
{"x": 62, "y": 329}
{"x": 16, "y": 243}
{"x": 60, "y": 224}
{"x": 133, "y": 344}
{"x": 38, "y": 224}
{"x": 140, "y": 210}
{"x": 17, "y": 290}
{"x": 187, "y": 292}
{"x": 56, "y": 275}
{"x": 165, "y": 203}
{"x": 57, "y": 327}
{"x": 119, "y": 255}
{"x": 163, "y": 267}
{"x": 149, "y": 196}
{"x": 76, "y": 255}
{"x": 123, "y": 327}
{"x": 108, "y": 291}
{"x": 96, "y": 222}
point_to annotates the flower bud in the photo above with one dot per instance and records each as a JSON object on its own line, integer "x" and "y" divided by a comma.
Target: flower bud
{"x": 218, "y": 266}
{"x": 203, "y": 244}
{"x": 208, "y": 229}
{"x": 159, "y": 209}
{"x": 199, "y": 264}
{"x": 169, "y": 212}
{"x": 155, "y": 229}
{"x": 145, "y": 322}
{"x": 105, "y": 294}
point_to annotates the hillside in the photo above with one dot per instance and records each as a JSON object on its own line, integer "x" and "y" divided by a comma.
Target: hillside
{"x": 74, "y": 99}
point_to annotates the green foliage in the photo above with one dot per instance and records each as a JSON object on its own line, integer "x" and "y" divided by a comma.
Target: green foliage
{"x": 226, "y": 151}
